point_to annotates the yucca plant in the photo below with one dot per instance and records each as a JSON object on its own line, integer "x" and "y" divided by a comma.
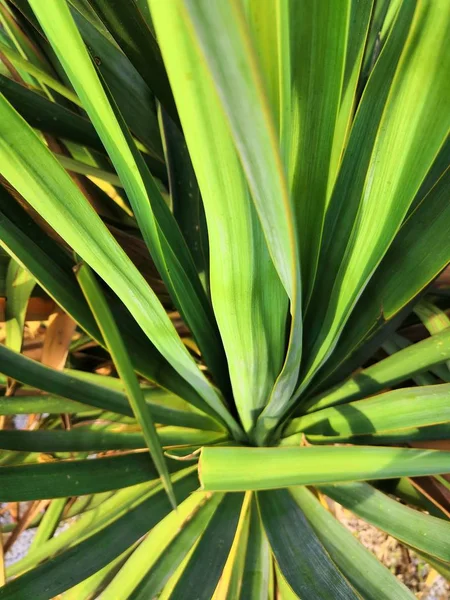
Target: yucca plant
{"x": 285, "y": 165}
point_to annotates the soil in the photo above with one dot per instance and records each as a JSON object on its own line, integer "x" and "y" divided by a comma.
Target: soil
{"x": 412, "y": 570}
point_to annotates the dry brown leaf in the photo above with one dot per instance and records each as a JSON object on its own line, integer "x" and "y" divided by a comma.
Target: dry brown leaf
{"x": 38, "y": 309}
{"x": 57, "y": 340}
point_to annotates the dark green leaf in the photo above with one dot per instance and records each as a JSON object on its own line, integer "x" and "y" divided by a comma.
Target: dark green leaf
{"x": 386, "y": 373}
{"x": 72, "y": 478}
{"x": 159, "y": 569}
{"x": 50, "y": 117}
{"x": 128, "y": 27}
{"x": 202, "y": 573}
{"x": 304, "y": 562}
{"x": 87, "y": 557}
{"x": 428, "y": 534}
{"x": 364, "y": 571}
{"x": 417, "y": 255}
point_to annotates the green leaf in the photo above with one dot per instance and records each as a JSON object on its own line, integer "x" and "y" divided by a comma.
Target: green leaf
{"x": 49, "y": 523}
{"x": 269, "y": 468}
{"x": 436, "y": 172}
{"x": 408, "y": 493}
{"x": 187, "y": 203}
{"x": 319, "y": 33}
{"x": 230, "y": 583}
{"x": 364, "y": 571}
{"x": 427, "y": 533}
{"x": 82, "y": 439}
{"x": 392, "y": 345}
{"x": 256, "y": 576}
{"x": 4, "y": 263}
{"x": 306, "y": 566}
{"x": 84, "y": 559}
{"x": 439, "y": 566}
{"x": 53, "y": 270}
{"x": 386, "y": 373}
{"x": 19, "y": 285}
{"x": 396, "y": 410}
{"x": 218, "y": 32}
{"x": 393, "y": 437}
{"x": 48, "y": 116}
{"x": 381, "y": 21}
{"x": 117, "y": 349}
{"x": 434, "y": 319}
{"x": 133, "y": 97}
{"x": 167, "y": 408}
{"x": 360, "y": 16}
{"x": 40, "y": 74}
{"x": 164, "y": 549}
{"x": 32, "y": 373}
{"x": 97, "y": 512}
{"x": 76, "y": 166}
{"x": 226, "y": 46}
{"x": 158, "y": 227}
{"x": 222, "y": 31}
{"x": 71, "y": 478}
{"x": 403, "y": 105}
{"x": 202, "y": 573}
{"x": 284, "y": 589}
{"x": 165, "y": 594}
{"x": 417, "y": 255}
{"x": 89, "y": 588}
{"x": 81, "y": 227}
{"x": 269, "y": 24}
{"x": 253, "y": 336}
{"x": 128, "y": 27}
{"x": 74, "y": 440}
{"x": 85, "y": 503}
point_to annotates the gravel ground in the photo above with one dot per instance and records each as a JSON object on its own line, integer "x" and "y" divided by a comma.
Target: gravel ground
{"x": 402, "y": 562}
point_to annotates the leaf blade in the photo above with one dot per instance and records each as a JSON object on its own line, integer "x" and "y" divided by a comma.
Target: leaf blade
{"x": 272, "y": 468}
{"x": 206, "y": 563}
{"x": 307, "y": 568}
{"x": 399, "y": 409}
{"x": 353, "y": 248}
{"x": 361, "y": 567}
{"x": 119, "y": 354}
{"x": 84, "y": 559}
{"x": 70, "y": 478}
{"x": 424, "y": 532}
{"x": 84, "y": 231}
